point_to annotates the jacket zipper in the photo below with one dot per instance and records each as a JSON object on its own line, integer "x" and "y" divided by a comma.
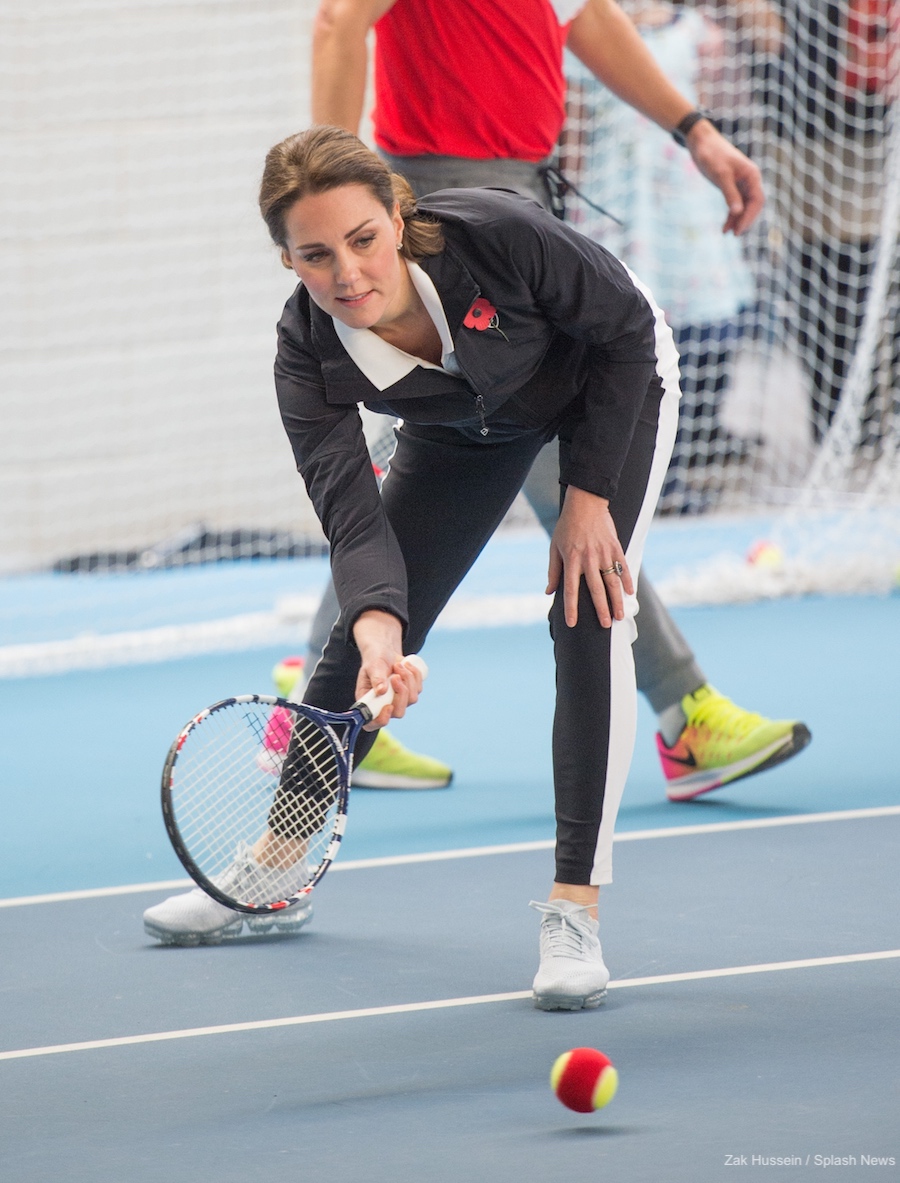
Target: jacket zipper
{"x": 479, "y": 407}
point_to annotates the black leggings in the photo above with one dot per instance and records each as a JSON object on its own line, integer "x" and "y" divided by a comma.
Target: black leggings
{"x": 444, "y": 496}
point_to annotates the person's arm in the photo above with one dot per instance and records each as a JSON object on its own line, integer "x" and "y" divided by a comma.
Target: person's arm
{"x": 331, "y": 455}
{"x": 379, "y": 638}
{"x": 607, "y": 42}
{"x": 340, "y": 59}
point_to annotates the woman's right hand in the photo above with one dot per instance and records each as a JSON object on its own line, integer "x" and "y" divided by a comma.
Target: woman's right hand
{"x": 379, "y": 639}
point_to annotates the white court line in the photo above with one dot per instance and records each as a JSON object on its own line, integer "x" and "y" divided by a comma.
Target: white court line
{"x": 439, "y": 1004}
{"x": 437, "y": 856}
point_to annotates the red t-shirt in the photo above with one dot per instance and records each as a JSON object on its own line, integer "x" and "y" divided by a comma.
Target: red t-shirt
{"x": 474, "y": 78}
{"x": 873, "y": 37}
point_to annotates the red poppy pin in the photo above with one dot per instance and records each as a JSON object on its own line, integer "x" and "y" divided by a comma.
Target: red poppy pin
{"x": 483, "y": 315}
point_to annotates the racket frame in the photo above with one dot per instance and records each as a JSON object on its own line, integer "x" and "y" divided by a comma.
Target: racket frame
{"x": 351, "y": 722}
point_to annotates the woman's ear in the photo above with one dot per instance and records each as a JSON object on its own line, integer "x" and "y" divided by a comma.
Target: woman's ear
{"x": 286, "y": 260}
{"x": 398, "y": 222}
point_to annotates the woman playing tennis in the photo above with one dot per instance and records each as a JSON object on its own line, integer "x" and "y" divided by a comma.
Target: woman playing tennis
{"x": 488, "y": 327}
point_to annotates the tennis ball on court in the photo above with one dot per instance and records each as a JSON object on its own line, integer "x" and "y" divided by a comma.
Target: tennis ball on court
{"x": 584, "y": 1079}
{"x": 286, "y": 673}
{"x": 765, "y": 554}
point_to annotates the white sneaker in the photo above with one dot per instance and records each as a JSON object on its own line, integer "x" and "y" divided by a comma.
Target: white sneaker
{"x": 194, "y": 918}
{"x": 572, "y": 975}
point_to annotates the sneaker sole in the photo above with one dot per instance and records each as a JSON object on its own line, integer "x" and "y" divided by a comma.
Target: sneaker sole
{"x": 288, "y": 925}
{"x": 364, "y": 779}
{"x": 568, "y": 1001}
{"x": 258, "y": 926}
{"x": 695, "y": 785}
{"x": 190, "y": 940}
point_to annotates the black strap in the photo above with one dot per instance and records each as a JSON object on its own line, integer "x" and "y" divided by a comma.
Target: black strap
{"x": 558, "y": 185}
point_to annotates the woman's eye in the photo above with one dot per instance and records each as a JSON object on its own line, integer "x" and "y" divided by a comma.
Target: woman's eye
{"x": 366, "y": 241}
{"x": 315, "y": 257}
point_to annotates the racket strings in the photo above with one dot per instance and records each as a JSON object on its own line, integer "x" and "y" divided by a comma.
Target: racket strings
{"x": 226, "y": 793}
{"x": 309, "y": 783}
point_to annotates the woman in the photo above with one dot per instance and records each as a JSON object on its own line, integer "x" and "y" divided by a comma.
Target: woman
{"x": 488, "y": 327}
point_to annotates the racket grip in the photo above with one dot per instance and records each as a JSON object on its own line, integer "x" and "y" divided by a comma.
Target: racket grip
{"x": 371, "y": 703}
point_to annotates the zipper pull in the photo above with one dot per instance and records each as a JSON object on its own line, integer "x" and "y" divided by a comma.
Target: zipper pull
{"x": 479, "y": 407}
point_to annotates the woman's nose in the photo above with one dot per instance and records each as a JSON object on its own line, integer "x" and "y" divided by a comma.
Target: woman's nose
{"x": 346, "y": 269}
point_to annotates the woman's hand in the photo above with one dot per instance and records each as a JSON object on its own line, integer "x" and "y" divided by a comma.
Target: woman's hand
{"x": 379, "y": 637}
{"x": 585, "y": 543}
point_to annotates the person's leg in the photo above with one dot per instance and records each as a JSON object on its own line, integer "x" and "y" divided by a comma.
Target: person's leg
{"x": 665, "y": 664}
{"x": 594, "y": 728}
{"x": 444, "y": 496}
{"x": 704, "y": 740}
{"x": 703, "y": 445}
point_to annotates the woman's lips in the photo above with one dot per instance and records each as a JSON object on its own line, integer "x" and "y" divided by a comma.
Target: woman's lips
{"x": 354, "y": 301}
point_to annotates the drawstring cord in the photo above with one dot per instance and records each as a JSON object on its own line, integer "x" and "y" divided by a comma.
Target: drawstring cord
{"x": 558, "y": 185}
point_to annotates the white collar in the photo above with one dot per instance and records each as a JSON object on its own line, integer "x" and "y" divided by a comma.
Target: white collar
{"x": 384, "y": 364}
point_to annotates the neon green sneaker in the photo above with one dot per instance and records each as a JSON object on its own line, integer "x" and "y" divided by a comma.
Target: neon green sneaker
{"x": 286, "y": 675}
{"x": 722, "y": 742}
{"x": 389, "y": 765}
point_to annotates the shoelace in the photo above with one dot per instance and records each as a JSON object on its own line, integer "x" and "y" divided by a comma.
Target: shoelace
{"x": 566, "y": 938}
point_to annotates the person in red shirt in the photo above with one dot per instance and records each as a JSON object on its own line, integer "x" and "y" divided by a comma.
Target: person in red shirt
{"x": 473, "y": 94}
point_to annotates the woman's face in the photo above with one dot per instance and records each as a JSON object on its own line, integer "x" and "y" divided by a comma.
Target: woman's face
{"x": 343, "y": 245}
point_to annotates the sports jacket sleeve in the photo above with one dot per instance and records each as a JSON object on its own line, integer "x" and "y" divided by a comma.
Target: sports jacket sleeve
{"x": 331, "y": 456}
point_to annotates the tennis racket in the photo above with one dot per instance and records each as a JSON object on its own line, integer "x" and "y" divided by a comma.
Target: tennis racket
{"x": 254, "y": 795}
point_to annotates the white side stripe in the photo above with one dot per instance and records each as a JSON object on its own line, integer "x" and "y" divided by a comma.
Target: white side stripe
{"x": 440, "y": 1004}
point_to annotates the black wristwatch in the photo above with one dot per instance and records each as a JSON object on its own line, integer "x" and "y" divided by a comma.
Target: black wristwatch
{"x": 680, "y": 134}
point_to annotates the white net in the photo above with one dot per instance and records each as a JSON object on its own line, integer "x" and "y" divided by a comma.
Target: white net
{"x": 790, "y": 339}
{"x": 140, "y": 293}
{"x": 138, "y": 289}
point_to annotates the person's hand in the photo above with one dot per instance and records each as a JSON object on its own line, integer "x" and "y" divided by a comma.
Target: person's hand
{"x": 379, "y": 636}
{"x": 585, "y": 543}
{"x": 730, "y": 171}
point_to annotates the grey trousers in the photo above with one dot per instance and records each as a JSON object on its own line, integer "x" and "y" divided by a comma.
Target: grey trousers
{"x": 665, "y": 665}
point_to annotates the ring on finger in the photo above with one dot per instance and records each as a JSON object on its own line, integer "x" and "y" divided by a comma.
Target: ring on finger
{"x": 615, "y": 569}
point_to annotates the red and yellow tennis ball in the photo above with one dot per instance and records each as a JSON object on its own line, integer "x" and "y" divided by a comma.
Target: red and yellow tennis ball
{"x": 584, "y": 1079}
{"x": 765, "y": 554}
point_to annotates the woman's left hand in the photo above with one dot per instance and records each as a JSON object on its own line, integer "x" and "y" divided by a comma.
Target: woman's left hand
{"x": 585, "y": 543}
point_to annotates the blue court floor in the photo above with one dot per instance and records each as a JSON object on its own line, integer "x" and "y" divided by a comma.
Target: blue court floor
{"x": 752, "y": 937}
{"x": 426, "y": 1060}
{"x": 81, "y": 752}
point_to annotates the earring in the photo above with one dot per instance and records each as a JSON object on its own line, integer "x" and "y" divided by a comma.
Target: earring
{"x": 400, "y": 245}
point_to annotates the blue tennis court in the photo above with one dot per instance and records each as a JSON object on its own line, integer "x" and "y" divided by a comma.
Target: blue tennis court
{"x": 752, "y": 938}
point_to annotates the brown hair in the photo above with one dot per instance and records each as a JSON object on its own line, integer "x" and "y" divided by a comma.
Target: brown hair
{"x": 324, "y": 158}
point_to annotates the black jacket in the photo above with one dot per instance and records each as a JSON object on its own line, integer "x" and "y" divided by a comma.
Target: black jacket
{"x": 575, "y": 338}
